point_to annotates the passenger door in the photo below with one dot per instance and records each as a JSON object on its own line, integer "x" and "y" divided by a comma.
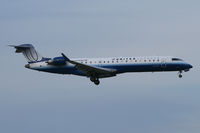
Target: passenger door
{"x": 163, "y": 63}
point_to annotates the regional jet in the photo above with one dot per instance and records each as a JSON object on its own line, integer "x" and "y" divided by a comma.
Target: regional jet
{"x": 96, "y": 68}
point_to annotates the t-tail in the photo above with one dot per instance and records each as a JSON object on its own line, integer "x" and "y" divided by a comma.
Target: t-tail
{"x": 29, "y": 52}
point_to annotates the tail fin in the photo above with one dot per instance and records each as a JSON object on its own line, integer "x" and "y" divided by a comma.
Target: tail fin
{"x": 29, "y": 52}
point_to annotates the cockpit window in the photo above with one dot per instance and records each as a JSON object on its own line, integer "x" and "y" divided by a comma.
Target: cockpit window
{"x": 176, "y": 59}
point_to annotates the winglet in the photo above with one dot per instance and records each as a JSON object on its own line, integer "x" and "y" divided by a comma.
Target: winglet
{"x": 67, "y": 59}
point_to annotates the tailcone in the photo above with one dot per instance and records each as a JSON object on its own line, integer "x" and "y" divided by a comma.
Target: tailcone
{"x": 27, "y": 66}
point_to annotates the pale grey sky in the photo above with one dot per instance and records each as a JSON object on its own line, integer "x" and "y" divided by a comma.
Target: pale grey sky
{"x": 32, "y": 102}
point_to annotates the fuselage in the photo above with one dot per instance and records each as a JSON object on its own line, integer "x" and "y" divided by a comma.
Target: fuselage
{"x": 120, "y": 64}
{"x": 96, "y": 68}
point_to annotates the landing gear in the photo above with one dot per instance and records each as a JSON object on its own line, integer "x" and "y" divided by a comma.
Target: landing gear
{"x": 180, "y": 74}
{"x": 92, "y": 79}
{"x": 95, "y": 80}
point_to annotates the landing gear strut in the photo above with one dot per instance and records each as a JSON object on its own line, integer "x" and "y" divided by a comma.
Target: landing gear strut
{"x": 180, "y": 74}
{"x": 95, "y": 80}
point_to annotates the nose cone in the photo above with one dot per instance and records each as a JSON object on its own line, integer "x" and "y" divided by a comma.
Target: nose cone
{"x": 188, "y": 66}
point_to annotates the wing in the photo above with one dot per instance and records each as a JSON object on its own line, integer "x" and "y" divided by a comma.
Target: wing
{"x": 92, "y": 70}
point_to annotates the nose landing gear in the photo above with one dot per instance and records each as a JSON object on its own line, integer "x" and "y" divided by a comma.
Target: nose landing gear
{"x": 180, "y": 74}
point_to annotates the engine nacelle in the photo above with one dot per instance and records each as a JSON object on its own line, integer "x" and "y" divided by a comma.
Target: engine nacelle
{"x": 57, "y": 61}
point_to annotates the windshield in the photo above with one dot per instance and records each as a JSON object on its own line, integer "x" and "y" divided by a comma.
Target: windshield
{"x": 176, "y": 59}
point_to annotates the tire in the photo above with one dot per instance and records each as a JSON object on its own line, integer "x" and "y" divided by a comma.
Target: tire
{"x": 96, "y": 82}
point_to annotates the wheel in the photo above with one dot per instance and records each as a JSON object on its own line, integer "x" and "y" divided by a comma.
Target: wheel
{"x": 180, "y": 76}
{"x": 96, "y": 82}
{"x": 92, "y": 79}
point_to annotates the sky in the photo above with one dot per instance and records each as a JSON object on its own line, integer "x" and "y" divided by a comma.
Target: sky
{"x": 32, "y": 101}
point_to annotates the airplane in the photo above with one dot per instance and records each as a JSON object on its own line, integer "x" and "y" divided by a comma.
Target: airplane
{"x": 96, "y": 68}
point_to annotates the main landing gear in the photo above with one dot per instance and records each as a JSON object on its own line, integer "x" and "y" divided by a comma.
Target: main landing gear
{"x": 180, "y": 74}
{"x": 95, "y": 80}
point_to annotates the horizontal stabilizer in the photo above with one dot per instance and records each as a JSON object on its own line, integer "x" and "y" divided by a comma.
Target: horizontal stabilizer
{"x": 28, "y": 51}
